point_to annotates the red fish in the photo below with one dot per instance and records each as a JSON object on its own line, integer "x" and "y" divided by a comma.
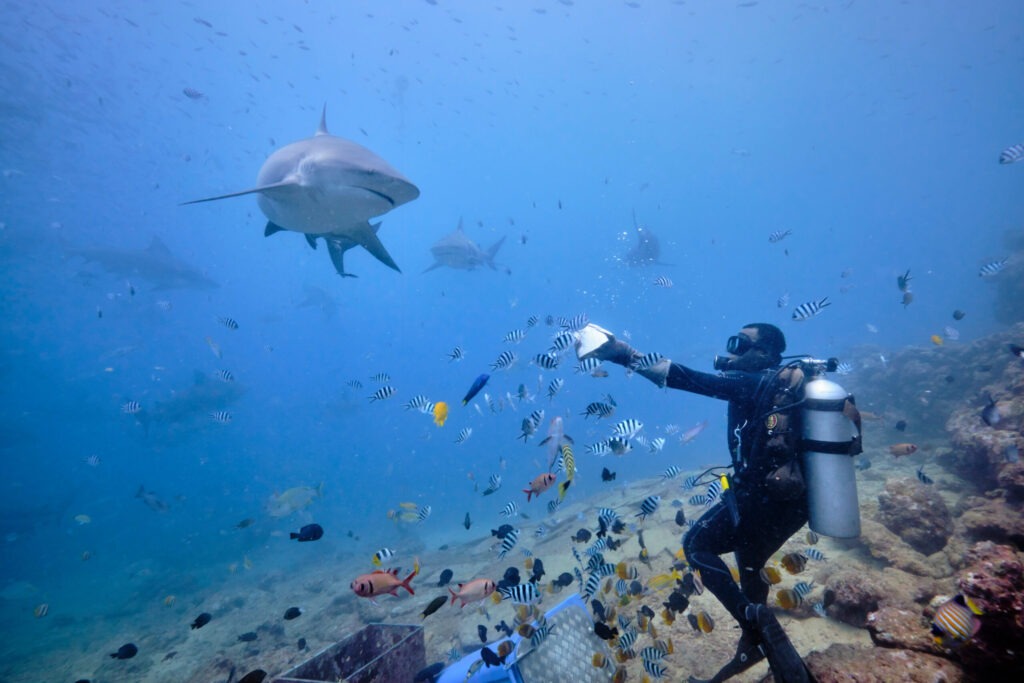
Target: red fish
{"x": 540, "y": 484}
{"x": 475, "y": 590}
{"x": 382, "y": 581}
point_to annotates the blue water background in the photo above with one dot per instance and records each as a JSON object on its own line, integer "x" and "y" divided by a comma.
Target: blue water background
{"x": 869, "y": 129}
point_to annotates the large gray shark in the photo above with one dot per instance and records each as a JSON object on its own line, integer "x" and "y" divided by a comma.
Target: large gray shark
{"x": 329, "y": 187}
{"x": 155, "y": 264}
{"x": 647, "y": 251}
{"x": 455, "y": 250}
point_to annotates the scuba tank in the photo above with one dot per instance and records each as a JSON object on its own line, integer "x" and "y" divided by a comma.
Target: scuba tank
{"x": 831, "y": 437}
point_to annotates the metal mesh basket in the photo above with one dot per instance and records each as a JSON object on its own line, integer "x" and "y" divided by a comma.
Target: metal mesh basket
{"x": 565, "y": 655}
{"x": 378, "y": 652}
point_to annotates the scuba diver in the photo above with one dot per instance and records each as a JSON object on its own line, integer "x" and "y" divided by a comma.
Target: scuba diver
{"x": 765, "y": 500}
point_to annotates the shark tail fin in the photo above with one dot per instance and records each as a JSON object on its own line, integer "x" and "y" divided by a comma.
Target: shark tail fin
{"x": 366, "y": 236}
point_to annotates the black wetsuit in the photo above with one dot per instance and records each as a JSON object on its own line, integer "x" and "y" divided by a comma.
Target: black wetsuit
{"x": 765, "y": 523}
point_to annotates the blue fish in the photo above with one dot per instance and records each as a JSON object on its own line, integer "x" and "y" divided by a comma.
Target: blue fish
{"x": 478, "y": 384}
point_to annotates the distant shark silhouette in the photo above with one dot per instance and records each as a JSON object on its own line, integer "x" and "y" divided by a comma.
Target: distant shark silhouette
{"x": 647, "y": 251}
{"x": 455, "y": 250}
{"x": 155, "y": 264}
{"x": 330, "y": 187}
{"x": 313, "y": 296}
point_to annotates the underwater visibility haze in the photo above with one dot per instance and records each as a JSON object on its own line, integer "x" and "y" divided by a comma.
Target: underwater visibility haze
{"x": 221, "y": 417}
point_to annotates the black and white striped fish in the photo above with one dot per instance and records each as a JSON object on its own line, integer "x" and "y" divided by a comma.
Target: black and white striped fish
{"x": 531, "y": 321}
{"x": 521, "y": 594}
{"x": 803, "y": 589}
{"x": 782, "y": 301}
{"x": 355, "y": 384}
{"x": 621, "y": 587}
{"x": 654, "y": 669}
{"x": 604, "y": 569}
{"x": 507, "y": 543}
{"x": 224, "y": 376}
{"x": 547, "y": 361}
{"x": 992, "y": 268}
{"x": 779, "y": 235}
{"x": 690, "y": 482}
{"x": 221, "y": 416}
{"x": 598, "y": 408}
{"x": 587, "y": 365}
{"x": 514, "y": 337}
{"x": 663, "y": 281}
{"x": 1012, "y": 154}
{"x": 648, "y": 360}
{"x": 541, "y": 633}
{"x": 420, "y": 403}
{"x": 423, "y": 512}
{"x": 554, "y": 387}
{"x": 553, "y": 505}
{"x": 599, "y": 448}
{"x": 575, "y": 323}
{"x": 698, "y": 499}
{"x": 381, "y": 378}
{"x": 464, "y": 435}
{"x": 814, "y": 554}
{"x": 131, "y": 408}
{"x": 810, "y": 309}
{"x": 653, "y": 654}
{"x": 456, "y": 354}
{"x": 510, "y": 510}
{"x": 671, "y": 473}
{"x": 382, "y": 555}
{"x": 504, "y": 361}
{"x": 562, "y": 341}
{"x": 656, "y": 444}
{"x": 596, "y": 547}
{"x": 608, "y": 516}
{"x": 627, "y": 639}
{"x": 648, "y": 506}
{"x": 229, "y": 323}
{"x": 591, "y": 587}
{"x": 493, "y": 484}
{"x": 627, "y": 429}
{"x": 382, "y": 393}
{"x": 714, "y": 492}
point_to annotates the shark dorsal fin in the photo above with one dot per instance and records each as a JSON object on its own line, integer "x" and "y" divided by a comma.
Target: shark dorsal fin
{"x": 459, "y": 229}
{"x": 322, "y": 128}
{"x": 157, "y": 246}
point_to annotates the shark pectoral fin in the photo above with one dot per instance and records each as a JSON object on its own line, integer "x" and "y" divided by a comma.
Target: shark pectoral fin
{"x": 366, "y": 236}
{"x": 272, "y": 228}
{"x": 262, "y": 188}
{"x": 493, "y": 251}
{"x": 311, "y": 241}
{"x": 437, "y": 264}
{"x": 336, "y": 248}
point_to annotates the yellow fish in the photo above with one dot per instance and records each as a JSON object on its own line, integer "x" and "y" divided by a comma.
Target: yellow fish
{"x": 440, "y": 413}
{"x": 937, "y": 340}
{"x": 664, "y": 580}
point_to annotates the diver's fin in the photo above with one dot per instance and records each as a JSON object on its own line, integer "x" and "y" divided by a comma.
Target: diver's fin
{"x": 367, "y": 238}
{"x": 784, "y": 660}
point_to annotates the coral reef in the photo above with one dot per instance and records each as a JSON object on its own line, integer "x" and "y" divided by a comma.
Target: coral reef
{"x": 993, "y": 581}
{"x": 871, "y": 665}
{"x": 916, "y": 513}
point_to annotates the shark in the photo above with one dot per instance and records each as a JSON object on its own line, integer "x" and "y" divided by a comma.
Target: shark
{"x": 455, "y": 250}
{"x": 155, "y": 264}
{"x": 647, "y": 251}
{"x": 328, "y": 187}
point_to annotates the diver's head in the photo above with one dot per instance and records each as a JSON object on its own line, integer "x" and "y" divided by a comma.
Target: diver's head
{"x": 758, "y": 346}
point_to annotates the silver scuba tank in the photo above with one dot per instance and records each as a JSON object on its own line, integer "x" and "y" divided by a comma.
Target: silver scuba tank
{"x": 830, "y": 440}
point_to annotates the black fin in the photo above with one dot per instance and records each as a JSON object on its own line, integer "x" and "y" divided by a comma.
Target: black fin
{"x": 271, "y": 229}
{"x": 784, "y": 660}
{"x": 311, "y": 240}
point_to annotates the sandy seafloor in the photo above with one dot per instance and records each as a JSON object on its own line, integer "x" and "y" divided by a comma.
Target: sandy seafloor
{"x": 64, "y": 648}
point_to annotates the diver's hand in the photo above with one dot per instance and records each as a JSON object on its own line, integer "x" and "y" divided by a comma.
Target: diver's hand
{"x": 594, "y": 341}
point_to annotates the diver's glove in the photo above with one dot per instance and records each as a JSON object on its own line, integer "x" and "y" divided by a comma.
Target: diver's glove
{"x": 594, "y": 341}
